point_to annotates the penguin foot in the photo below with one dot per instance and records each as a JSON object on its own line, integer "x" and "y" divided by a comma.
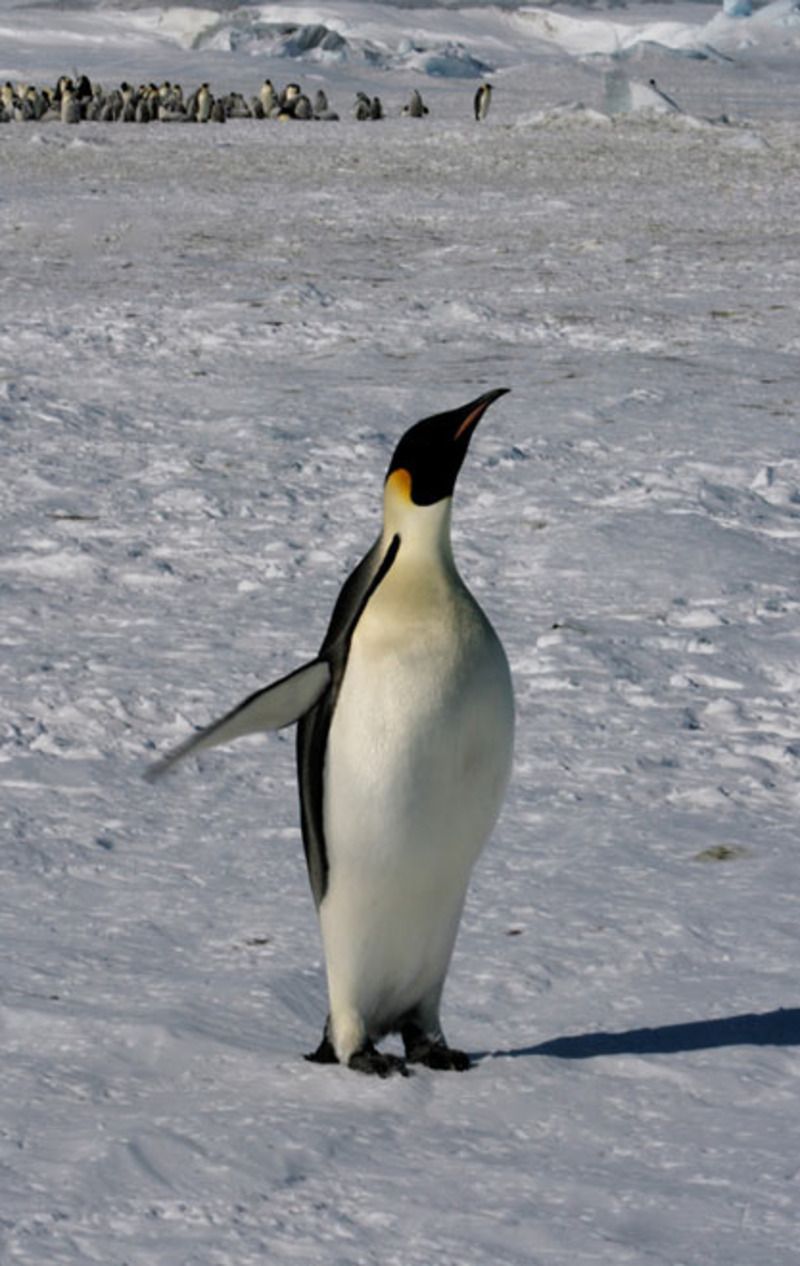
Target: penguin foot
{"x": 324, "y": 1054}
{"x": 370, "y": 1060}
{"x": 437, "y": 1055}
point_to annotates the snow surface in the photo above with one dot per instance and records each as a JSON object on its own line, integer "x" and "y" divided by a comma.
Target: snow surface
{"x": 211, "y": 339}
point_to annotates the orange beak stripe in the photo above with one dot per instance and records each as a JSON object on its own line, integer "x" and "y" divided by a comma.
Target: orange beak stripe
{"x": 472, "y": 419}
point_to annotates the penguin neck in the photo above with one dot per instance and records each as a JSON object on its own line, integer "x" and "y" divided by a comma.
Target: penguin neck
{"x": 424, "y": 531}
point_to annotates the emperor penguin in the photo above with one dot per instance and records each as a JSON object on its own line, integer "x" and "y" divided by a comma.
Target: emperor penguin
{"x": 404, "y": 744}
{"x": 267, "y": 96}
{"x": 288, "y": 94}
{"x": 415, "y": 107}
{"x": 84, "y": 91}
{"x": 205, "y": 102}
{"x": 483, "y": 99}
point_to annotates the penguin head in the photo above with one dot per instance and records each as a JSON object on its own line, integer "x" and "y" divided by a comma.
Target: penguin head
{"x": 426, "y": 462}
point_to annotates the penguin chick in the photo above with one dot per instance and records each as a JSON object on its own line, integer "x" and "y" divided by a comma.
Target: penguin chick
{"x": 301, "y": 107}
{"x": 363, "y": 107}
{"x": 403, "y": 752}
{"x": 70, "y": 107}
{"x": 236, "y": 107}
{"x": 323, "y": 110}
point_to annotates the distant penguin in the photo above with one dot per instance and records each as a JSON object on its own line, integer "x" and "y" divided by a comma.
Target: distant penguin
{"x": 24, "y": 107}
{"x": 404, "y": 749}
{"x": 190, "y": 105}
{"x": 236, "y": 107}
{"x": 266, "y": 94}
{"x": 301, "y": 107}
{"x": 288, "y": 94}
{"x": 363, "y": 107}
{"x": 218, "y": 114}
{"x": 204, "y": 103}
{"x": 416, "y": 107}
{"x": 323, "y": 109}
{"x": 40, "y": 102}
{"x": 111, "y": 110}
{"x": 170, "y": 107}
{"x": 91, "y": 109}
{"x": 70, "y": 107}
{"x": 483, "y": 99}
{"x": 375, "y": 108}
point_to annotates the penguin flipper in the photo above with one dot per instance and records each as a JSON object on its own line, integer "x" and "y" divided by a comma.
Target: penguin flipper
{"x": 272, "y": 708}
{"x": 312, "y": 732}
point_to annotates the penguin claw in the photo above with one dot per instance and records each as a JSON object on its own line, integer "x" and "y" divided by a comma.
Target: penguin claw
{"x": 437, "y": 1055}
{"x": 376, "y": 1063}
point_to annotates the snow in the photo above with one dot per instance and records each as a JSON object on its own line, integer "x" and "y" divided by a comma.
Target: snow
{"x": 211, "y": 339}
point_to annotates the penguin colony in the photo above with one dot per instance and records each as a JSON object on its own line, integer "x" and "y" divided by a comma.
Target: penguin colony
{"x": 405, "y": 728}
{"x": 72, "y": 101}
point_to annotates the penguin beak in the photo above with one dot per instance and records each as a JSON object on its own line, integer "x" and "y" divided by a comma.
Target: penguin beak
{"x": 468, "y": 417}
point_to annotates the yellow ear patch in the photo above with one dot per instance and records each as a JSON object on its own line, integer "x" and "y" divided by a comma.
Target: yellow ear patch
{"x": 400, "y": 484}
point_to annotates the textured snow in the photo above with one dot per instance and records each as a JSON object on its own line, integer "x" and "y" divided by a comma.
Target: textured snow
{"x": 210, "y": 340}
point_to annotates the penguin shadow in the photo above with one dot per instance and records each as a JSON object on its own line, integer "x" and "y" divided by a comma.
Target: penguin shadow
{"x": 772, "y": 1028}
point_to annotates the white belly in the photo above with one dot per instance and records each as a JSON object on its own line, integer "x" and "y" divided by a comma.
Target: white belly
{"x": 419, "y": 754}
